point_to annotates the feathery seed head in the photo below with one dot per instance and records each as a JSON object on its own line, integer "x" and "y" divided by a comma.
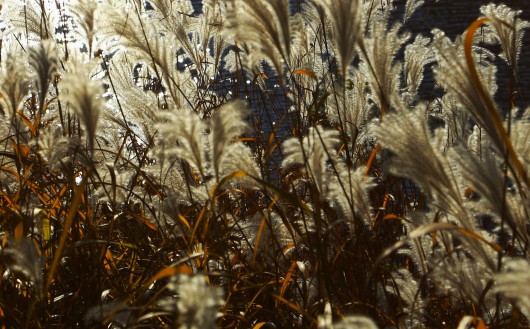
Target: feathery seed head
{"x": 508, "y": 28}
{"x": 417, "y": 55}
{"x": 197, "y": 302}
{"x": 43, "y": 61}
{"x": 14, "y": 83}
{"x": 265, "y": 25}
{"x": 84, "y": 95}
{"x": 345, "y": 16}
{"x": 86, "y": 18}
{"x": 188, "y": 130}
{"x": 410, "y": 8}
{"x": 226, "y": 124}
{"x": 514, "y": 283}
{"x": 453, "y": 73}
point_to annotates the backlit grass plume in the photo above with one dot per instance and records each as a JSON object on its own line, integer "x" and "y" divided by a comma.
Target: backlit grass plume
{"x": 261, "y": 164}
{"x": 345, "y": 18}
{"x": 210, "y": 146}
{"x": 380, "y": 56}
{"x": 417, "y": 56}
{"x": 196, "y": 304}
{"x": 44, "y": 62}
{"x": 35, "y": 19}
{"x": 513, "y": 283}
{"x": 508, "y": 29}
{"x": 84, "y": 95}
{"x": 15, "y": 84}
{"x": 313, "y": 152}
{"x": 452, "y": 71}
{"x": 186, "y": 131}
{"x": 85, "y": 16}
{"x": 265, "y": 26}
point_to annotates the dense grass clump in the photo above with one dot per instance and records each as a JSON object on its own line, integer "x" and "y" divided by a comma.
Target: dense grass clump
{"x": 247, "y": 167}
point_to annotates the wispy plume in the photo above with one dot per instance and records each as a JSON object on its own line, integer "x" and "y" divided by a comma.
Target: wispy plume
{"x": 153, "y": 44}
{"x": 158, "y": 156}
{"x": 84, "y": 94}
{"x": 452, "y": 72}
{"x": 350, "y": 192}
{"x": 345, "y": 19}
{"x": 44, "y": 62}
{"x": 15, "y": 83}
{"x": 226, "y": 124}
{"x": 514, "y": 283}
{"x": 426, "y": 163}
{"x": 485, "y": 175}
{"x": 417, "y": 55}
{"x": 210, "y": 146}
{"x": 410, "y": 7}
{"x": 197, "y": 302}
{"x": 460, "y": 274}
{"x": 313, "y": 152}
{"x": 266, "y": 26}
{"x": 131, "y": 106}
{"x": 185, "y": 132}
{"x": 356, "y": 114}
{"x": 84, "y": 13}
{"x": 380, "y": 51}
{"x": 509, "y": 30}
{"x": 34, "y": 19}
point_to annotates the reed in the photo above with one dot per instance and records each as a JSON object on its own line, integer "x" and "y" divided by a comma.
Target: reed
{"x": 252, "y": 168}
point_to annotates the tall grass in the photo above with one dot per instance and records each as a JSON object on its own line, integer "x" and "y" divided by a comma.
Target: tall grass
{"x": 251, "y": 168}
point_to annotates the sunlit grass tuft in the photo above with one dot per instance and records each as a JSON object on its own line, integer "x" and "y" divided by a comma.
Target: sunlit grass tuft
{"x": 250, "y": 168}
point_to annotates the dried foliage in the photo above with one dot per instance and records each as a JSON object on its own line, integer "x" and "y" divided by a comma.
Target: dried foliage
{"x": 252, "y": 167}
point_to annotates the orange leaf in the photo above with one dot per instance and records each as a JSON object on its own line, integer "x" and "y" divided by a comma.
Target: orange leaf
{"x": 288, "y": 303}
{"x": 243, "y": 139}
{"x": 287, "y": 278}
{"x": 197, "y": 222}
{"x": 9, "y": 170}
{"x": 287, "y": 248}
{"x": 294, "y": 307}
{"x": 481, "y": 324}
{"x": 108, "y": 260}
{"x": 184, "y": 221}
{"x": 21, "y": 149}
{"x": 473, "y": 235}
{"x": 392, "y": 216}
{"x": 272, "y": 137}
{"x": 306, "y": 72}
{"x": 387, "y": 196}
{"x": 146, "y": 222}
{"x": 273, "y": 202}
{"x": 371, "y": 159}
{"x": 170, "y": 271}
{"x": 64, "y": 235}
{"x": 4, "y": 240}
{"x": 468, "y": 192}
{"x": 26, "y": 121}
{"x": 341, "y": 148}
{"x": 258, "y": 237}
{"x": 19, "y": 230}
